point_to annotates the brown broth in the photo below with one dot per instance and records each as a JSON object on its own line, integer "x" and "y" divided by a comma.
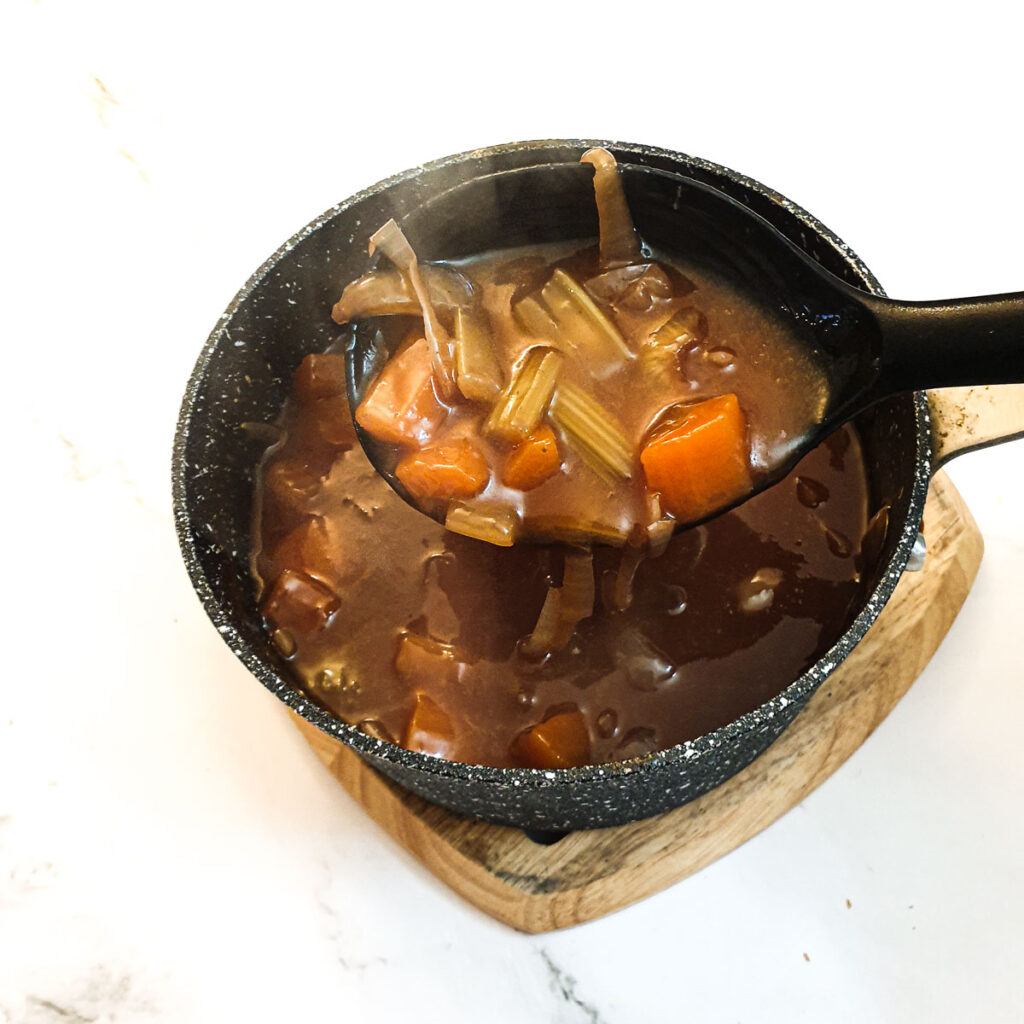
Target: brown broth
{"x": 394, "y": 605}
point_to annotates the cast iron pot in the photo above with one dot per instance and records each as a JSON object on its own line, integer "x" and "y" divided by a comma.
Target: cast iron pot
{"x": 458, "y": 206}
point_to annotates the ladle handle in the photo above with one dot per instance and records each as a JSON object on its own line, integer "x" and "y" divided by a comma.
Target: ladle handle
{"x": 957, "y": 343}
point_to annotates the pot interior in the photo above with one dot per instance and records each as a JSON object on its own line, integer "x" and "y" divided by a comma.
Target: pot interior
{"x": 458, "y": 207}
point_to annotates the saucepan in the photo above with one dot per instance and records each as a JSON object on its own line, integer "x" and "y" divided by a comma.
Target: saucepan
{"x": 282, "y": 313}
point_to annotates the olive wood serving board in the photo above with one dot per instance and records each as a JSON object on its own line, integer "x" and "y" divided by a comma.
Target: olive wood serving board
{"x": 587, "y": 874}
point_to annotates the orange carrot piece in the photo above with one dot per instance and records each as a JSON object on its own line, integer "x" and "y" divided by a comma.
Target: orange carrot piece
{"x": 454, "y": 470}
{"x": 532, "y": 461}
{"x": 320, "y": 375}
{"x": 300, "y": 603}
{"x": 317, "y": 548}
{"x": 401, "y": 406}
{"x": 426, "y": 662}
{"x": 561, "y": 741}
{"x": 698, "y": 459}
{"x": 429, "y": 730}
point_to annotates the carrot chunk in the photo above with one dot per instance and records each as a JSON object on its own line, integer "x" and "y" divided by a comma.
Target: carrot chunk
{"x": 697, "y": 459}
{"x": 315, "y": 548}
{"x": 455, "y": 470}
{"x": 401, "y": 406}
{"x": 426, "y": 662}
{"x": 320, "y": 375}
{"x": 330, "y": 420}
{"x": 291, "y": 484}
{"x": 300, "y": 603}
{"x": 532, "y": 461}
{"x": 429, "y": 730}
{"x": 561, "y": 741}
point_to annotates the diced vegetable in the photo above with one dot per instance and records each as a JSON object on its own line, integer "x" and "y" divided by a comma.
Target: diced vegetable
{"x": 388, "y": 292}
{"x": 697, "y": 459}
{"x": 332, "y": 422}
{"x": 456, "y": 469}
{"x": 638, "y": 288}
{"x": 300, "y": 603}
{"x": 291, "y": 484}
{"x": 496, "y": 524}
{"x": 645, "y": 665}
{"x": 660, "y": 527}
{"x": 686, "y": 326}
{"x": 532, "y": 461}
{"x": 641, "y": 296}
{"x": 313, "y": 548}
{"x": 577, "y": 529}
{"x": 592, "y": 431}
{"x": 582, "y": 325}
{"x": 524, "y": 402}
{"x": 561, "y": 741}
{"x": 617, "y": 587}
{"x": 423, "y": 661}
{"x": 619, "y": 243}
{"x": 393, "y": 243}
{"x": 564, "y": 607}
{"x": 429, "y": 730}
{"x": 320, "y": 375}
{"x": 660, "y": 354}
{"x": 401, "y": 406}
{"x": 659, "y": 533}
{"x": 476, "y": 370}
{"x": 536, "y": 319}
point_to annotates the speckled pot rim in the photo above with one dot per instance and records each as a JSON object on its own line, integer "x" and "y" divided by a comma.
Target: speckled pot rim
{"x": 686, "y": 753}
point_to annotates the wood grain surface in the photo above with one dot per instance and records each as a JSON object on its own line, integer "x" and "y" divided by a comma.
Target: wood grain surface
{"x": 585, "y": 875}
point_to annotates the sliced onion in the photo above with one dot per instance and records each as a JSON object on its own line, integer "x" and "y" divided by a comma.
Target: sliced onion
{"x": 564, "y": 607}
{"x": 619, "y": 244}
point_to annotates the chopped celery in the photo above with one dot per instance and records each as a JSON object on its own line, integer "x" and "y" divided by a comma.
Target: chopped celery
{"x": 593, "y": 432}
{"x": 582, "y": 323}
{"x": 525, "y": 400}
{"x": 536, "y": 319}
{"x": 569, "y": 529}
{"x": 495, "y": 524}
{"x": 476, "y": 370}
{"x": 660, "y": 353}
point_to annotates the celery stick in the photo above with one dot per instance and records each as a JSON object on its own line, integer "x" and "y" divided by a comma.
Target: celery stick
{"x": 495, "y": 524}
{"x": 593, "y": 432}
{"x": 587, "y": 328}
{"x": 476, "y": 370}
{"x": 525, "y": 400}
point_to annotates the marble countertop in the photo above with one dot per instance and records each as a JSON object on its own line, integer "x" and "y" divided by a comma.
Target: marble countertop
{"x": 170, "y": 849}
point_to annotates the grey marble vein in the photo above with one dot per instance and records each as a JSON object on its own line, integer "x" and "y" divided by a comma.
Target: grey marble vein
{"x": 564, "y": 985}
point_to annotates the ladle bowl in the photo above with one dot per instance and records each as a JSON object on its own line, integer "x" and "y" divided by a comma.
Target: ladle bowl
{"x": 864, "y": 347}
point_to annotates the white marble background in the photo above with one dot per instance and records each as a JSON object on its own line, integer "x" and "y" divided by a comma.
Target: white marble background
{"x": 170, "y": 850}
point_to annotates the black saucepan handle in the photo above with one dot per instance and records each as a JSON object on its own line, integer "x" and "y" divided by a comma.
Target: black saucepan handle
{"x": 956, "y": 343}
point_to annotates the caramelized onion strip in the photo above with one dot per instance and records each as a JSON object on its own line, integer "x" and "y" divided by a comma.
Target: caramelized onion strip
{"x": 618, "y": 240}
{"x": 564, "y": 607}
{"x": 392, "y": 242}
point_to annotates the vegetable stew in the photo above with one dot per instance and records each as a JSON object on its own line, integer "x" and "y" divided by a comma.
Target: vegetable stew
{"x": 565, "y": 395}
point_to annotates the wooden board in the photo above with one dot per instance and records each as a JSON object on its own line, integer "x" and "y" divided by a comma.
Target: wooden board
{"x": 585, "y": 875}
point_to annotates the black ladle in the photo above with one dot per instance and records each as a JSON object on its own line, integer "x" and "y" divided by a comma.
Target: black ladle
{"x": 869, "y": 347}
